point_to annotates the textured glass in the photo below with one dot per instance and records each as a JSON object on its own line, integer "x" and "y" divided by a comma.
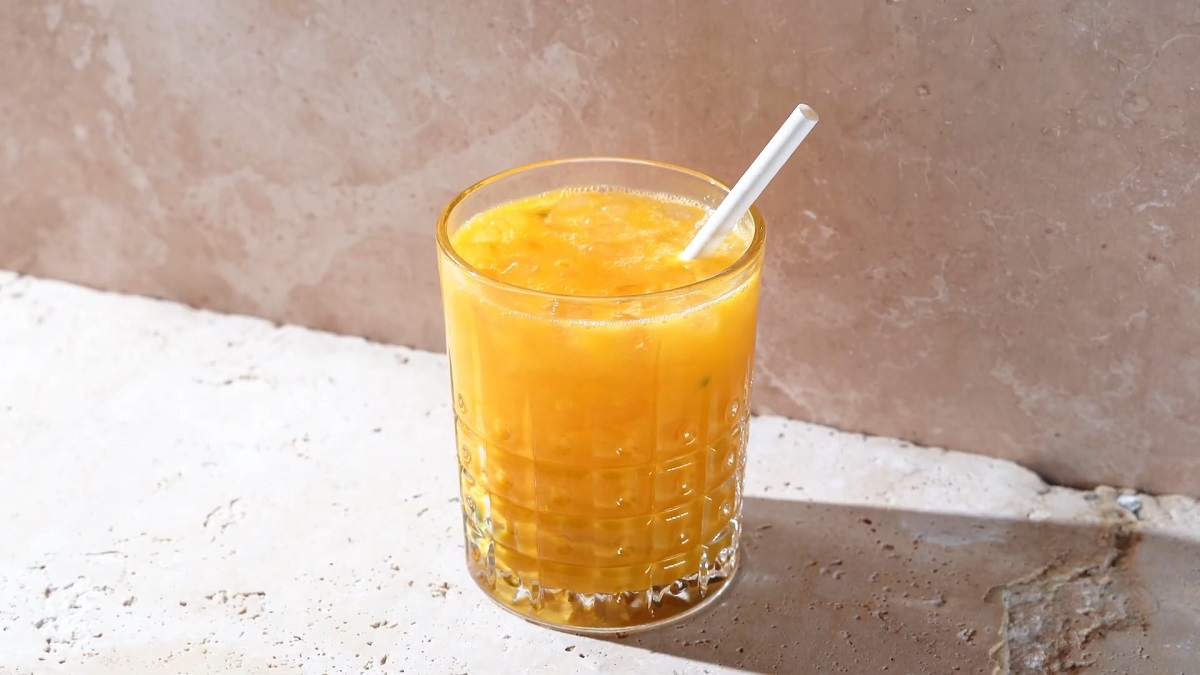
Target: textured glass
{"x": 601, "y": 442}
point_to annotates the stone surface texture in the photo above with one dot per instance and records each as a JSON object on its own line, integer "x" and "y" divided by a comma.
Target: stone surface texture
{"x": 189, "y": 492}
{"x": 989, "y": 243}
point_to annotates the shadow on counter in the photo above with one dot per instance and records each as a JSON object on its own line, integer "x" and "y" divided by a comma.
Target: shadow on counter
{"x": 848, "y": 589}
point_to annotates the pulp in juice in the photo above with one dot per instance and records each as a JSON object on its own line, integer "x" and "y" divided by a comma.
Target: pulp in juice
{"x": 601, "y": 412}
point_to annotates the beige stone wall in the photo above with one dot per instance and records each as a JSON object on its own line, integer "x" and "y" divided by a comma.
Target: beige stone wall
{"x": 989, "y": 243}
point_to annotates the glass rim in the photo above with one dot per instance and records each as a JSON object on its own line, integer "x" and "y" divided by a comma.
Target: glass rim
{"x": 447, "y": 250}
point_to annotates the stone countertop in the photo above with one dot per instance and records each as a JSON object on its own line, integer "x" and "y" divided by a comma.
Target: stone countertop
{"x": 188, "y": 492}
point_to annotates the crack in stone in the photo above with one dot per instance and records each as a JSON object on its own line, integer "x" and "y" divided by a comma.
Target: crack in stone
{"x": 1053, "y": 615}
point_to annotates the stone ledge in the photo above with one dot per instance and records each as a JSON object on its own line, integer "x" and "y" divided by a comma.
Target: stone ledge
{"x": 192, "y": 492}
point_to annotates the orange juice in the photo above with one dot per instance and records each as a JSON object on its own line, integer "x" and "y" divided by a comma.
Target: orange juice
{"x": 601, "y": 388}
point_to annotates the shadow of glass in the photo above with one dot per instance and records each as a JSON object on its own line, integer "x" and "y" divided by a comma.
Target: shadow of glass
{"x": 851, "y": 589}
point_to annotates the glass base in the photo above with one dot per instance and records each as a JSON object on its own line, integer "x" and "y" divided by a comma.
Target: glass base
{"x": 607, "y": 613}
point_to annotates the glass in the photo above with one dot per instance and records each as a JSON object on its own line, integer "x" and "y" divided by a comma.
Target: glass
{"x": 601, "y": 441}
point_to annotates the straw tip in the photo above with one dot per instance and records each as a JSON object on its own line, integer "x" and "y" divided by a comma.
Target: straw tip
{"x": 808, "y": 113}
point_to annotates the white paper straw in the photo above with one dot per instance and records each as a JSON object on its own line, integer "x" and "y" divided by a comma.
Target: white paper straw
{"x": 752, "y": 183}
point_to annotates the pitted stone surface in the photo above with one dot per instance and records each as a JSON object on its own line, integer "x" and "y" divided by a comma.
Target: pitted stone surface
{"x": 190, "y": 492}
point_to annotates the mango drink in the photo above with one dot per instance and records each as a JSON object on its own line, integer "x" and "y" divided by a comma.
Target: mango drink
{"x": 601, "y": 389}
